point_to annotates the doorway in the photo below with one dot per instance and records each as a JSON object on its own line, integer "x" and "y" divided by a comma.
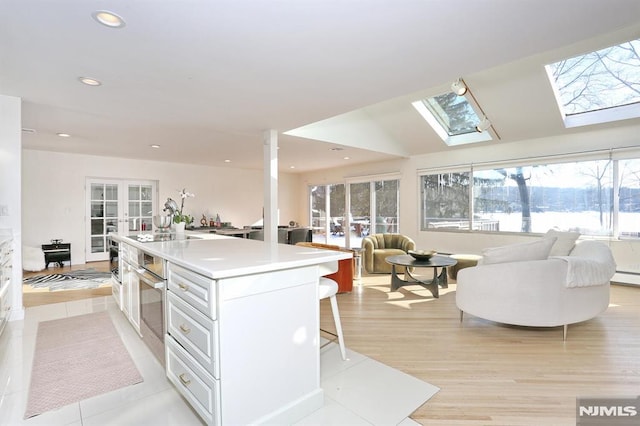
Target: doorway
{"x": 115, "y": 205}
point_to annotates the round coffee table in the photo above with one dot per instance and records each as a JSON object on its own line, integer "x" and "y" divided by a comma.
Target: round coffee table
{"x": 409, "y": 262}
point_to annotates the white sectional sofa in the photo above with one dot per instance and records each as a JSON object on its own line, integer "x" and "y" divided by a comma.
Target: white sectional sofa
{"x": 521, "y": 285}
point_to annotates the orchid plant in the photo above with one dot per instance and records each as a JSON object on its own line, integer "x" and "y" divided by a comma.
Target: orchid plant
{"x": 180, "y": 216}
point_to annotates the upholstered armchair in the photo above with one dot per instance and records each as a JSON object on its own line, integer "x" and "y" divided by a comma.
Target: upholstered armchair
{"x": 377, "y": 247}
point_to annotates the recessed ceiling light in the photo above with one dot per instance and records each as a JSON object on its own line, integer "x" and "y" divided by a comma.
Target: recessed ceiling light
{"x": 227, "y": 161}
{"x": 155, "y": 146}
{"x": 108, "y": 19}
{"x": 64, "y": 135}
{"x": 292, "y": 167}
{"x": 89, "y": 81}
{"x": 346, "y": 158}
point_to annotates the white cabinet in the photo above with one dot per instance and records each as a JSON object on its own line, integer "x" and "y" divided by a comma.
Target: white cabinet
{"x": 194, "y": 331}
{"x": 244, "y": 350}
{"x": 134, "y": 300}
{"x": 192, "y": 341}
{"x": 6, "y": 252}
{"x": 130, "y": 286}
{"x": 116, "y": 291}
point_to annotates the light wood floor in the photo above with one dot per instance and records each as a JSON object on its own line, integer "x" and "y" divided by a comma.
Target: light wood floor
{"x": 489, "y": 374}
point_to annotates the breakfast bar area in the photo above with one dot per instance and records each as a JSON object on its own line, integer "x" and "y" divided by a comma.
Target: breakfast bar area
{"x": 241, "y": 324}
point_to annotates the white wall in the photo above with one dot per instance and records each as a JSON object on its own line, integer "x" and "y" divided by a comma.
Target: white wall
{"x": 53, "y": 194}
{"x": 594, "y": 138}
{"x": 10, "y": 151}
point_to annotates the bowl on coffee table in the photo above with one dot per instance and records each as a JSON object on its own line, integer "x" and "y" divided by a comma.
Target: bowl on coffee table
{"x": 422, "y": 255}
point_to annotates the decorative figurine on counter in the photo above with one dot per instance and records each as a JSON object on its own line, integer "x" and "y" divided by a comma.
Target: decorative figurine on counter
{"x": 203, "y": 221}
{"x": 217, "y": 221}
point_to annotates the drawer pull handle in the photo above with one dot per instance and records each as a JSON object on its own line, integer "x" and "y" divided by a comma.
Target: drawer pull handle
{"x": 183, "y": 286}
{"x": 185, "y": 329}
{"x": 184, "y": 380}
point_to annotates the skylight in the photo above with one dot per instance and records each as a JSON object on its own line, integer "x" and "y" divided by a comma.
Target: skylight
{"x": 454, "y": 118}
{"x": 600, "y": 86}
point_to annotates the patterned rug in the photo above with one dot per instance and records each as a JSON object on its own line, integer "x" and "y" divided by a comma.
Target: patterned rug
{"x": 73, "y": 280}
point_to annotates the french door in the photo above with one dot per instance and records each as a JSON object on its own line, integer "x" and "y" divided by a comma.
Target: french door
{"x": 115, "y": 205}
{"x": 372, "y": 207}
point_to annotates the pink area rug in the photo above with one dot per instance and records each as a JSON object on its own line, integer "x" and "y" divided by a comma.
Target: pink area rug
{"x": 76, "y": 358}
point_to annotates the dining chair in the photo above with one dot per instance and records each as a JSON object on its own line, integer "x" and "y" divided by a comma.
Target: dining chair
{"x": 256, "y": 234}
{"x": 283, "y": 236}
{"x": 299, "y": 235}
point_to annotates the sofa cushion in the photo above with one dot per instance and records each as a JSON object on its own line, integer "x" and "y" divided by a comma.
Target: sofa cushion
{"x": 564, "y": 243}
{"x": 535, "y": 250}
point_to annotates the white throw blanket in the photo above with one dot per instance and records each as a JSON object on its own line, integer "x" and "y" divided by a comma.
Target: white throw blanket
{"x": 585, "y": 272}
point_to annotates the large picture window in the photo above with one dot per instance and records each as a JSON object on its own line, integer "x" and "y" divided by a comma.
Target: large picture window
{"x": 576, "y": 196}
{"x": 445, "y": 201}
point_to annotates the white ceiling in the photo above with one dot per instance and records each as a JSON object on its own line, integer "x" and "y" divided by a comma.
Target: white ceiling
{"x": 204, "y": 79}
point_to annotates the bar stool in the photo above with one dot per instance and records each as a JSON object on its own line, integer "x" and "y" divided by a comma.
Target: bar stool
{"x": 329, "y": 288}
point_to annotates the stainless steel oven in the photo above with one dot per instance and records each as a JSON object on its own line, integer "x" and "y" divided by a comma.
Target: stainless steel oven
{"x": 151, "y": 276}
{"x": 150, "y": 272}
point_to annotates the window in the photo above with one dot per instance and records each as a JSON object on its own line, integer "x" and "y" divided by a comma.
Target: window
{"x": 577, "y": 196}
{"x": 445, "y": 201}
{"x": 629, "y": 198}
{"x": 570, "y": 196}
{"x": 599, "y": 86}
{"x": 454, "y": 118}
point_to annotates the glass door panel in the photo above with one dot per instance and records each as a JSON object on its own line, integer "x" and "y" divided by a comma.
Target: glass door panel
{"x": 386, "y": 202}
{"x": 103, "y": 213}
{"x": 140, "y": 207}
{"x": 338, "y": 219}
{"x": 359, "y": 212}
{"x": 318, "y": 213}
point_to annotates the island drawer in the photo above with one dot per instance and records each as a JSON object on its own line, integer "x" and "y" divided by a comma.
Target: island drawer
{"x": 194, "y": 331}
{"x": 195, "y": 289}
{"x": 192, "y": 381}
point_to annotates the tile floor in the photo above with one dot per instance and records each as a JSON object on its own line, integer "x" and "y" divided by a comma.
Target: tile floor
{"x": 360, "y": 391}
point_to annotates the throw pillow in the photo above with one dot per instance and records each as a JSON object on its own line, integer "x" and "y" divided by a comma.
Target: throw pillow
{"x": 565, "y": 241}
{"x": 535, "y": 250}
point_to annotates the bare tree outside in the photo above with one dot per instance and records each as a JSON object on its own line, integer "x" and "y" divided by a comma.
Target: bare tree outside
{"x": 518, "y": 176}
{"x": 603, "y": 79}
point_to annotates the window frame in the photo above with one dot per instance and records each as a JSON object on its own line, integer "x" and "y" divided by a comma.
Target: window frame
{"x": 615, "y": 157}
{"x": 623, "y": 110}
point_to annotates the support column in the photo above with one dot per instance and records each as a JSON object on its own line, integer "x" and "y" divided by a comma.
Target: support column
{"x": 270, "y": 220}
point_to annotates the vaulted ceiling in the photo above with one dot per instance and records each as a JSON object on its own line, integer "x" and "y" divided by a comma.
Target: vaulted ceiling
{"x": 204, "y": 79}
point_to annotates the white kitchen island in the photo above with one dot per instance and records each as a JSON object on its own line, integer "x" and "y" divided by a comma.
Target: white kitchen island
{"x": 242, "y": 326}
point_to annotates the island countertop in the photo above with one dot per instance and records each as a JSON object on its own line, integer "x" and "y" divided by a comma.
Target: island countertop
{"x": 218, "y": 256}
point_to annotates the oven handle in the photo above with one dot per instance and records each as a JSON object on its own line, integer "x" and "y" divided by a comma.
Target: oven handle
{"x": 145, "y": 276}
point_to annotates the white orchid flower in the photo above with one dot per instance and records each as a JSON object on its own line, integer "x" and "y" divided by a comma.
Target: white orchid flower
{"x": 180, "y": 216}
{"x": 184, "y": 194}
